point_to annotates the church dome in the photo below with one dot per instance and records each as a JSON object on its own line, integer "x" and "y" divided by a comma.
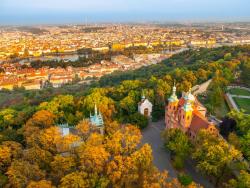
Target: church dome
{"x": 189, "y": 96}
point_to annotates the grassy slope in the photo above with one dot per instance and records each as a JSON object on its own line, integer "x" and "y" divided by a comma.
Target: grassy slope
{"x": 238, "y": 91}
{"x": 243, "y": 104}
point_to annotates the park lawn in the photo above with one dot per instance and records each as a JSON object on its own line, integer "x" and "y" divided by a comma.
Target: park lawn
{"x": 243, "y": 104}
{"x": 239, "y": 91}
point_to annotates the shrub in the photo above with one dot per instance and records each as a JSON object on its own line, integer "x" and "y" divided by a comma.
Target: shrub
{"x": 185, "y": 179}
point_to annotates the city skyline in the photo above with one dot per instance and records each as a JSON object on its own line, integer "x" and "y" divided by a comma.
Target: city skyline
{"x": 25, "y": 12}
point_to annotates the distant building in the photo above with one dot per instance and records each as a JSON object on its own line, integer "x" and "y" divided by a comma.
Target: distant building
{"x": 145, "y": 107}
{"x": 97, "y": 120}
{"x": 64, "y": 128}
{"x": 187, "y": 114}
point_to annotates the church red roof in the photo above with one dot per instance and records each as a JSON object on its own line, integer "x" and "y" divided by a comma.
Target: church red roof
{"x": 198, "y": 122}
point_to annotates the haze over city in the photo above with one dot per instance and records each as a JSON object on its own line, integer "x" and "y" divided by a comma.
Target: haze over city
{"x": 124, "y": 93}
{"x": 25, "y": 12}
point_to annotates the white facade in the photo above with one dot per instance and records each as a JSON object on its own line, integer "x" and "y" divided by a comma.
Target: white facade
{"x": 145, "y": 107}
{"x": 65, "y": 131}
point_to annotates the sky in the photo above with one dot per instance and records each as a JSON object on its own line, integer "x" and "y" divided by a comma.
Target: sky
{"x": 25, "y": 12}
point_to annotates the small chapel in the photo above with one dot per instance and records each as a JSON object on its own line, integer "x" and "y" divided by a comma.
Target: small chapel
{"x": 188, "y": 114}
{"x": 145, "y": 106}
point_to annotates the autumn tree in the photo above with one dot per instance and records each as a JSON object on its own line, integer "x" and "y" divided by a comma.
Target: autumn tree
{"x": 62, "y": 106}
{"x": 49, "y": 138}
{"x": 105, "y": 104}
{"x": 60, "y": 166}
{"x": 38, "y": 156}
{"x": 41, "y": 119}
{"x": 214, "y": 155}
{"x": 75, "y": 180}
{"x": 7, "y": 118}
{"x": 21, "y": 172}
{"x": 241, "y": 181}
{"x": 40, "y": 184}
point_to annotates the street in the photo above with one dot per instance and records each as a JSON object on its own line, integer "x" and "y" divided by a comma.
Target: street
{"x": 152, "y": 136}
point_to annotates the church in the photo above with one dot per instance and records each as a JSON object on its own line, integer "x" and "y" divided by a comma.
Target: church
{"x": 145, "y": 107}
{"x": 187, "y": 114}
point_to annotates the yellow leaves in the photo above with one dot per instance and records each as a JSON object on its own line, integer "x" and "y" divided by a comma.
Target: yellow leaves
{"x": 83, "y": 127}
{"x": 65, "y": 143}
{"x": 5, "y": 157}
{"x": 74, "y": 180}
{"x": 95, "y": 139}
{"x": 131, "y": 138}
{"x": 116, "y": 169}
{"x": 143, "y": 157}
{"x": 40, "y": 184}
{"x": 41, "y": 119}
{"x": 213, "y": 153}
{"x": 62, "y": 165}
{"x": 21, "y": 172}
{"x": 49, "y": 138}
{"x": 114, "y": 143}
{"x": 94, "y": 158}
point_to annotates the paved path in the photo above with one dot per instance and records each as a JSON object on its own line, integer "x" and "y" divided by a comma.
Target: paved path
{"x": 241, "y": 96}
{"x": 151, "y": 135}
{"x": 202, "y": 87}
{"x": 232, "y": 102}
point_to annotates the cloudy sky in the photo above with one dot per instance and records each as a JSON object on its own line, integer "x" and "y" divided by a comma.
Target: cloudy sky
{"x": 77, "y": 11}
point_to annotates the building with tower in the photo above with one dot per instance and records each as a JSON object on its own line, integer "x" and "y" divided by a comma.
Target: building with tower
{"x": 145, "y": 106}
{"x": 187, "y": 114}
{"x": 97, "y": 119}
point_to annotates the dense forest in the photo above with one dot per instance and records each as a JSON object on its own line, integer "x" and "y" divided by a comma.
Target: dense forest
{"x": 33, "y": 152}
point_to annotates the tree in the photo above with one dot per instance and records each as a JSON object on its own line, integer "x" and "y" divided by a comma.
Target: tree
{"x": 41, "y": 119}
{"x": 234, "y": 140}
{"x": 111, "y": 127}
{"x": 40, "y": 184}
{"x": 49, "y": 138}
{"x": 178, "y": 143}
{"x": 38, "y": 156}
{"x": 105, "y": 104}
{"x": 129, "y": 103}
{"x": 61, "y": 106}
{"x": 5, "y": 157}
{"x": 202, "y": 74}
{"x": 138, "y": 120}
{"x": 61, "y": 166}
{"x": 75, "y": 180}
{"x": 7, "y": 118}
{"x": 245, "y": 72}
{"x": 93, "y": 158}
{"x": 213, "y": 155}
{"x": 21, "y": 172}
{"x": 242, "y": 181}
{"x": 83, "y": 127}
{"x": 9, "y": 151}
{"x": 245, "y": 143}
{"x": 242, "y": 120}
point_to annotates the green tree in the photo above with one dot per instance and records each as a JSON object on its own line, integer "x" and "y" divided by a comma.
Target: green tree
{"x": 138, "y": 120}
{"x": 242, "y": 181}
{"x": 213, "y": 155}
{"x": 178, "y": 143}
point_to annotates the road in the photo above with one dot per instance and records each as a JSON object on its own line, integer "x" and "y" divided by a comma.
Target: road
{"x": 151, "y": 135}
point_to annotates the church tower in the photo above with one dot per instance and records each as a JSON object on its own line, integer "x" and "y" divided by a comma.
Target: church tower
{"x": 171, "y": 109}
{"x": 187, "y": 111}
